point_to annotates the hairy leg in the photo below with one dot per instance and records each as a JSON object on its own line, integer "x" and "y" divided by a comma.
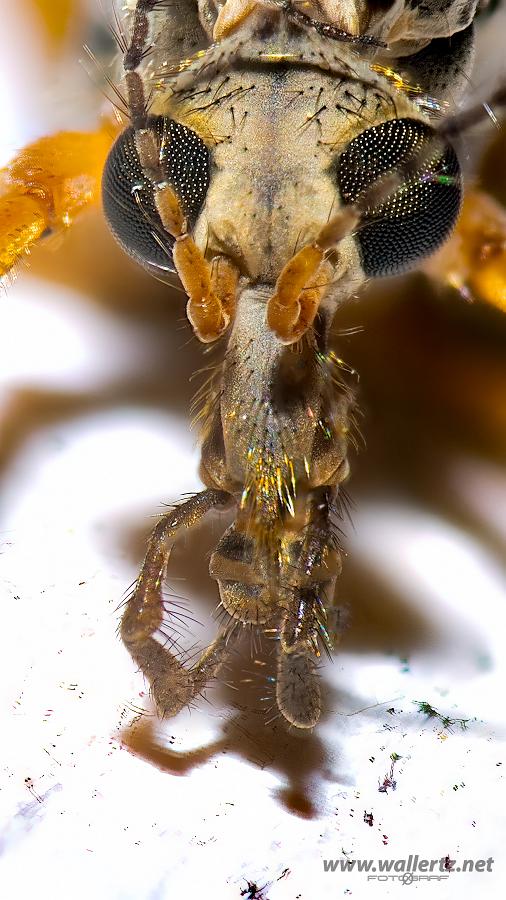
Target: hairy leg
{"x": 172, "y": 685}
{"x": 298, "y": 692}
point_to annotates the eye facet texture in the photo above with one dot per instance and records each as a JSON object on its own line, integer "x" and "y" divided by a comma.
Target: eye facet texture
{"x": 420, "y": 214}
{"x": 128, "y": 195}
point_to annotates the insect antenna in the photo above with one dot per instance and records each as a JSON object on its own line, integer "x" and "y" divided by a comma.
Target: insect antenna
{"x": 457, "y": 124}
{"x": 325, "y": 29}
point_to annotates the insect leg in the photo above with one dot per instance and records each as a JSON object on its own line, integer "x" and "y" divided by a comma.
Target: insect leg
{"x": 304, "y": 626}
{"x": 298, "y": 692}
{"x": 46, "y": 186}
{"x": 172, "y": 685}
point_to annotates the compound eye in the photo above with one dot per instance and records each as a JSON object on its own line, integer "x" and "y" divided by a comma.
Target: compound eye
{"x": 128, "y": 195}
{"x": 421, "y": 213}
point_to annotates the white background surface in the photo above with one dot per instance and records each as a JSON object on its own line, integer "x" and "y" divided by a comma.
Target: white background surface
{"x": 96, "y": 802}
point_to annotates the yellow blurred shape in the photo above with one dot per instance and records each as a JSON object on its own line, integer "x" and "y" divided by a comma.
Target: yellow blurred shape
{"x": 47, "y": 185}
{"x": 474, "y": 259}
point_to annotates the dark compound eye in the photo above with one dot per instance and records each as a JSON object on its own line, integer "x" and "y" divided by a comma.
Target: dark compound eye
{"x": 128, "y": 196}
{"x": 419, "y": 216}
